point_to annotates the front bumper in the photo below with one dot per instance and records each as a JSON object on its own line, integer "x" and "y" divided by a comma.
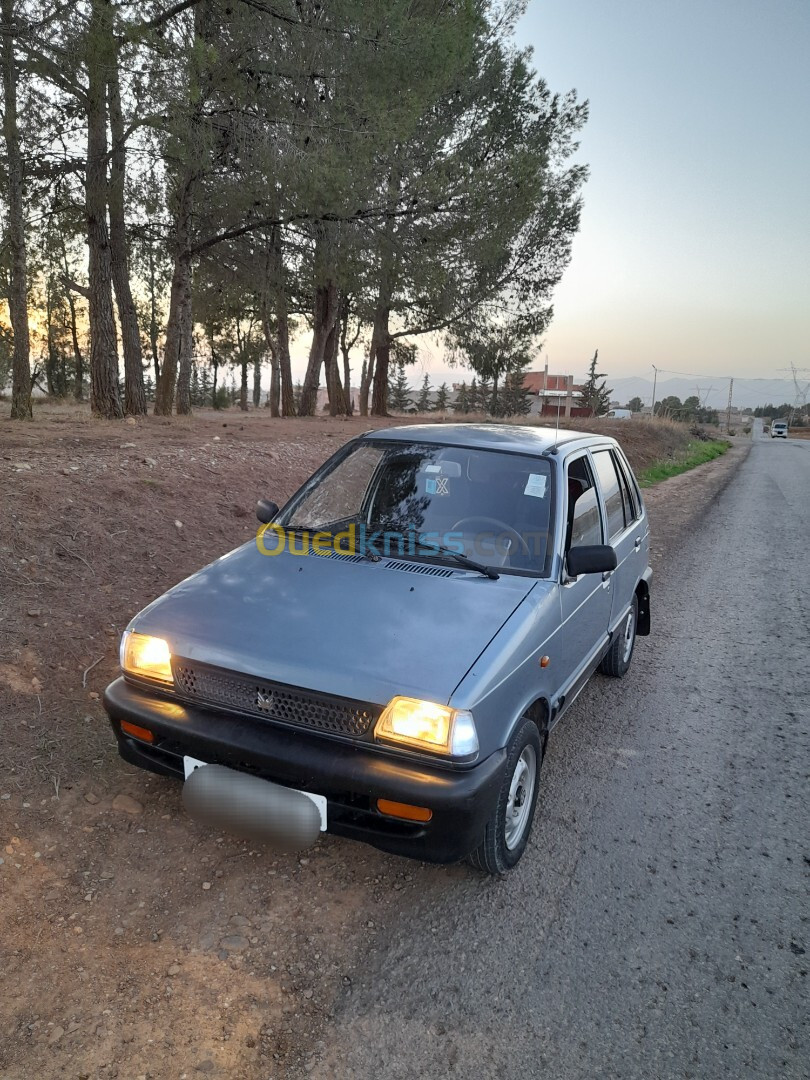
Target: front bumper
{"x": 351, "y": 776}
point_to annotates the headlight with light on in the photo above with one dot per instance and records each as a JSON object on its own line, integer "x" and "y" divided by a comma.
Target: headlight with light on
{"x": 146, "y": 656}
{"x": 423, "y": 725}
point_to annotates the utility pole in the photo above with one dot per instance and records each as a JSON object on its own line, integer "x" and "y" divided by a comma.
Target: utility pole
{"x": 728, "y": 409}
{"x": 655, "y": 380}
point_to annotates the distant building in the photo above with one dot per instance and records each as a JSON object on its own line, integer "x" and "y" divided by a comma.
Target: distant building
{"x": 553, "y": 393}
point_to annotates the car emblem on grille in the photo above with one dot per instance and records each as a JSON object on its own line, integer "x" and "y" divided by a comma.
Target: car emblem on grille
{"x": 264, "y": 699}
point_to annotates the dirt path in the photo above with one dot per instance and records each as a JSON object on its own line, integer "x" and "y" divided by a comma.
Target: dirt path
{"x": 135, "y": 944}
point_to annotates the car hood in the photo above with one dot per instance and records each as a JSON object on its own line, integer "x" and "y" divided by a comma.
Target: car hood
{"x": 337, "y": 624}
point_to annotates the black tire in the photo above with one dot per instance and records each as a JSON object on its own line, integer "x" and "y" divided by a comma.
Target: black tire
{"x": 617, "y": 659}
{"x": 494, "y": 855}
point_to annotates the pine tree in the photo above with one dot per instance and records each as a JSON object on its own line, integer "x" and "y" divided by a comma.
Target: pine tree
{"x": 297, "y": 392}
{"x": 195, "y": 386}
{"x": 205, "y": 385}
{"x": 462, "y": 402}
{"x": 595, "y": 395}
{"x": 423, "y": 402}
{"x": 485, "y": 396}
{"x": 442, "y": 398}
{"x": 398, "y": 391}
{"x": 516, "y": 399}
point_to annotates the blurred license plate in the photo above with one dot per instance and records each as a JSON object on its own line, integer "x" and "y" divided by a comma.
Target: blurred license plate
{"x": 190, "y": 764}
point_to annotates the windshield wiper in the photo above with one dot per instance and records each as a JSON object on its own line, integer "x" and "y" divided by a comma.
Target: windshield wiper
{"x": 462, "y": 560}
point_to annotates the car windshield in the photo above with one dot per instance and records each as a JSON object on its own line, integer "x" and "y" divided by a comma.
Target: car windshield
{"x": 403, "y": 500}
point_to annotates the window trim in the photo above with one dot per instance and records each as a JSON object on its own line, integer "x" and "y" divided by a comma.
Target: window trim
{"x": 632, "y": 483}
{"x": 631, "y": 514}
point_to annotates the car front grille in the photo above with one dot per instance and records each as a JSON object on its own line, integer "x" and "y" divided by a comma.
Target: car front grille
{"x": 274, "y": 701}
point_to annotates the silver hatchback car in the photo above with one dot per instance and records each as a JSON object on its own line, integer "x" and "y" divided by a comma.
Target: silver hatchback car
{"x": 387, "y": 659}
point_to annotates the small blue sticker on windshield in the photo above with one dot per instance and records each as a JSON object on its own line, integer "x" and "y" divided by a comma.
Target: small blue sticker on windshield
{"x": 430, "y": 487}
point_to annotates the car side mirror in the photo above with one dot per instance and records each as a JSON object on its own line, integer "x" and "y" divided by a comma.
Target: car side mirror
{"x": 591, "y": 559}
{"x": 266, "y": 511}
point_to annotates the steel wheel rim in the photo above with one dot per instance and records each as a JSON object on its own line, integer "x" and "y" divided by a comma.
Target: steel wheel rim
{"x": 521, "y": 797}
{"x": 629, "y": 635}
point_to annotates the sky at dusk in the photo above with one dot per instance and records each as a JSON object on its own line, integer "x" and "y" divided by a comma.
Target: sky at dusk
{"x": 694, "y": 247}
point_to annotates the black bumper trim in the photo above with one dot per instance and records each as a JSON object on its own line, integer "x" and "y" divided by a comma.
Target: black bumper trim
{"x": 351, "y": 777}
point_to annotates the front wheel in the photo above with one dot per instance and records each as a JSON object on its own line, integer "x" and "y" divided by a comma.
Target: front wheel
{"x": 507, "y": 831}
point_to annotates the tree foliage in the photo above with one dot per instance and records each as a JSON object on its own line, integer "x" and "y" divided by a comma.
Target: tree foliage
{"x": 595, "y": 394}
{"x": 233, "y": 174}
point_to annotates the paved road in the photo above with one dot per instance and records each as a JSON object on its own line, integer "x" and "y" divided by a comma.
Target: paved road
{"x": 657, "y": 927}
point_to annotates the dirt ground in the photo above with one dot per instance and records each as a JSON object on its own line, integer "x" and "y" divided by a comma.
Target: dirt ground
{"x": 134, "y": 943}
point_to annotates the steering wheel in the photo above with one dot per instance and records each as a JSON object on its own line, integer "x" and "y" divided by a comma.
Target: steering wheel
{"x": 500, "y": 525}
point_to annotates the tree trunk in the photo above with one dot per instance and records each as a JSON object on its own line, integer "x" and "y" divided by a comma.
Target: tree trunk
{"x": 243, "y": 387}
{"x": 78, "y": 359}
{"x": 324, "y": 318}
{"x": 337, "y": 398}
{"x": 257, "y": 382}
{"x": 178, "y": 345}
{"x": 272, "y": 348}
{"x": 134, "y": 395}
{"x": 278, "y": 283}
{"x": 379, "y": 398}
{"x": 186, "y": 352}
{"x": 153, "y": 322}
{"x": 366, "y": 376}
{"x": 51, "y": 356}
{"x": 345, "y": 348}
{"x": 18, "y": 271}
{"x": 243, "y": 366}
{"x": 275, "y": 386}
{"x": 104, "y": 397}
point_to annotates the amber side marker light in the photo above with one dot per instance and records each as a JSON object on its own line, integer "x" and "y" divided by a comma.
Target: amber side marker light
{"x": 137, "y": 732}
{"x": 404, "y": 810}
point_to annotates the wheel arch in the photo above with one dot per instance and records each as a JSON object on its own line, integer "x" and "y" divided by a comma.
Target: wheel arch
{"x": 538, "y": 710}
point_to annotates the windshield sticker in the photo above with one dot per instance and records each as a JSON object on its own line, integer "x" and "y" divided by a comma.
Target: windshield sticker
{"x": 535, "y": 485}
{"x": 433, "y": 468}
{"x": 437, "y": 486}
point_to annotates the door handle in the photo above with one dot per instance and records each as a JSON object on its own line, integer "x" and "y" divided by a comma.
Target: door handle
{"x": 637, "y": 542}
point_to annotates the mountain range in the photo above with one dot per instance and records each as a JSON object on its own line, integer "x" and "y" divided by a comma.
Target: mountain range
{"x": 713, "y": 393}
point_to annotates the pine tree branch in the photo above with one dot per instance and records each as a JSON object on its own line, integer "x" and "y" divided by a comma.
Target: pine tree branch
{"x": 74, "y": 286}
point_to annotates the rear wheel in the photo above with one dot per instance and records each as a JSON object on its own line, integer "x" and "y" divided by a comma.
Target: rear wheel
{"x": 507, "y": 831}
{"x": 617, "y": 659}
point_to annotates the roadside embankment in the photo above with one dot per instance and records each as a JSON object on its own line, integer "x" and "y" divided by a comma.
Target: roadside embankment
{"x": 697, "y": 452}
{"x": 675, "y": 505}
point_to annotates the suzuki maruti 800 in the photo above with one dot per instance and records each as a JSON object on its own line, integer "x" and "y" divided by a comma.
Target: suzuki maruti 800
{"x": 386, "y": 660}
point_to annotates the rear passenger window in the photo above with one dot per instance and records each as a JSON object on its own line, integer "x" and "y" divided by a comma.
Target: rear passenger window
{"x": 609, "y": 481}
{"x": 628, "y": 495}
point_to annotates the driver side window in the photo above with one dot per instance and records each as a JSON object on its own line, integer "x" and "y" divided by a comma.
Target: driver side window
{"x": 584, "y": 517}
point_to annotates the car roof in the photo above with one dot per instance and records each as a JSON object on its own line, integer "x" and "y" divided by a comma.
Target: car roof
{"x": 517, "y": 438}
